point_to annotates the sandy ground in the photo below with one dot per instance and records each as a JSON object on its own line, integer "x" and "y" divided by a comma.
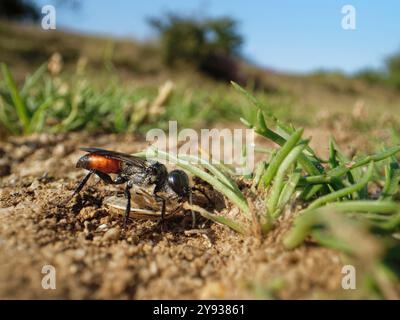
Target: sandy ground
{"x": 94, "y": 259}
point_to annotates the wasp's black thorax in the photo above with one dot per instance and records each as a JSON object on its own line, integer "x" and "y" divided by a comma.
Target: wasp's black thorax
{"x": 154, "y": 174}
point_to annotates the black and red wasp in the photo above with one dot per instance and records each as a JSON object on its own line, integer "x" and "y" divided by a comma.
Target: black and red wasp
{"x": 138, "y": 172}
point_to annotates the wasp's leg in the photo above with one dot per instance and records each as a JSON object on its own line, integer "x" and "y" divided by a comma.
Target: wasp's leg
{"x": 118, "y": 180}
{"x": 127, "y": 194}
{"x": 82, "y": 184}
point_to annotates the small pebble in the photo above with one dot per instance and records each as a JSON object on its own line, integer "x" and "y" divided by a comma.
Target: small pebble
{"x": 79, "y": 254}
{"x": 59, "y": 151}
{"x": 34, "y": 185}
{"x": 102, "y": 227}
{"x": 112, "y": 234}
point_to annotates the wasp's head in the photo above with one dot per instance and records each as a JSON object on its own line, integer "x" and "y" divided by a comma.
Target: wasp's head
{"x": 179, "y": 182}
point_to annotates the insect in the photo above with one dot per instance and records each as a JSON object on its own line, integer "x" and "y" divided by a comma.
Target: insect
{"x": 137, "y": 173}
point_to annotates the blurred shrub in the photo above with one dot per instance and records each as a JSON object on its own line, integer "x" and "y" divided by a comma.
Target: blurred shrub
{"x": 370, "y": 75}
{"x": 389, "y": 76}
{"x": 210, "y": 45}
{"x": 393, "y": 70}
{"x": 18, "y": 10}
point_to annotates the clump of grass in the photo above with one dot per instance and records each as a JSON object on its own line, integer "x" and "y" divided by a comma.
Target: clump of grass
{"x": 49, "y": 102}
{"x": 328, "y": 188}
{"x": 30, "y": 120}
{"x": 295, "y": 166}
{"x": 294, "y": 173}
{"x": 63, "y": 101}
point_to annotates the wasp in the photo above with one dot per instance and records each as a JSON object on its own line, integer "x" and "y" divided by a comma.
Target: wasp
{"x": 138, "y": 173}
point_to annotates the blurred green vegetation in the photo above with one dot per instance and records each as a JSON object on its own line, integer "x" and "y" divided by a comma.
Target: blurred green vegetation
{"x": 53, "y": 100}
{"x": 393, "y": 70}
{"x": 389, "y": 75}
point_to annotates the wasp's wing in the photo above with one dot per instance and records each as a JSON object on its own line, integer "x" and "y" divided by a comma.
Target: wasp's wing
{"x": 136, "y": 161}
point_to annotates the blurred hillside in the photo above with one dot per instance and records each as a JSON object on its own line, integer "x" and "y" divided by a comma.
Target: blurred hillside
{"x": 24, "y": 48}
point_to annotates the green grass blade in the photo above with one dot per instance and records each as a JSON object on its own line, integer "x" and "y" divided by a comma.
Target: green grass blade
{"x": 19, "y": 104}
{"x": 280, "y": 156}
{"x": 39, "y": 117}
{"x": 331, "y": 175}
{"x": 345, "y": 191}
{"x": 261, "y": 166}
{"x": 5, "y": 119}
{"x": 392, "y": 224}
{"x": 263, "y": 130}
{"x": 288, "y": 131}
{"x": 304, "y": 161}
{"x": 253, "y": 100}
{"x": 234, "y": 225}
{"x": 33, "y": 79}
{"x": 301, "y": 228}
{"x": 214, "y": 170}
{"x": 278, "y": 182}
{"x": 330, "y": 241}
{"x": 392, "y": 179}
{"x": 288, "y": 190}
{"x": 332, "y": 154}
{"x": 367, "y": 206}
{"x": 340, "y": 156}
{"x": 344, "y": 169}
{"x": 305, "y": 222}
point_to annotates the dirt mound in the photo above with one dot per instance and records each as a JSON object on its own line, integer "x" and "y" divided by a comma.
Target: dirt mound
{"x": 93, "y": 258}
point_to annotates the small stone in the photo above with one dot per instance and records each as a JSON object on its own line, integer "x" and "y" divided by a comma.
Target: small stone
{"x": 87, "y": 228}
{"x": 59, "y": 151}
{"x": 153, "y": 268}
{"x": 79, "y": 254}
{"x": 213, "y": 290}
{"x": 112, "y": 234}
{"x": 44, "y": 139}
{"x": 34, "y": 185}
{"x": 78, "y": 227}
{"x": 62, "y": 222}
{"x": 102, "y": 227}
{"x": 22, "y": 152}
{"x": 87, "y": 224}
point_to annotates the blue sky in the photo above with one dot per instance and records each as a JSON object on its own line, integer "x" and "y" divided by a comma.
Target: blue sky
{"x": 287, "y": 35}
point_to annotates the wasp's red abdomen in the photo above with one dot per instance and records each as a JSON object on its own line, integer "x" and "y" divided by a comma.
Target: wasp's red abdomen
{"x": 103, "y": 164}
